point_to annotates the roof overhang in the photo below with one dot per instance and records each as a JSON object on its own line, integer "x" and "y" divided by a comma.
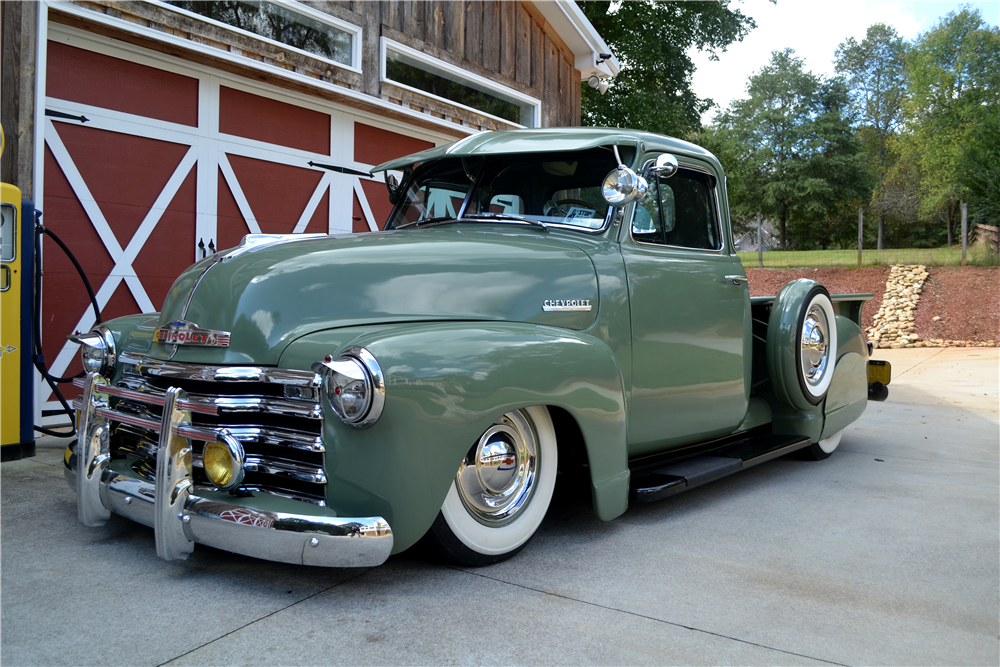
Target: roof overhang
{"x": 569, "y": 22}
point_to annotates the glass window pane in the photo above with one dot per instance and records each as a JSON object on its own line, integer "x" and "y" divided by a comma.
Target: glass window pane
{"x": 8, "y": 236}
{"x": 688, "y": 210}
{"x": 278, "y": 23}
{"x": 409, "y": 71}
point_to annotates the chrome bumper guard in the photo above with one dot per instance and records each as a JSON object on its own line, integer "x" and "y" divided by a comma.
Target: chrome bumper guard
{"x": 180, "y": 518}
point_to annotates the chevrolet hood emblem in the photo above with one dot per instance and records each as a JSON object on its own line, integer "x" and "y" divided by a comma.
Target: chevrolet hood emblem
{"x": 182, "y": 332}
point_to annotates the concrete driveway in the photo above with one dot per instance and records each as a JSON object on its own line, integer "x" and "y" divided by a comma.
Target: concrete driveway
{"x": 886, "y": 553}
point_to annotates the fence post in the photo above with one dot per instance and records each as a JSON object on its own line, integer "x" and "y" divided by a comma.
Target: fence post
{"x": 760, "y": 245}
{"x": 861, "y": 220}
{"x": 965, "y": 229}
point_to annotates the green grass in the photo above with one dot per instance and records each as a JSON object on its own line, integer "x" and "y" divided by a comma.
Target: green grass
{"x": 976, "y": 255}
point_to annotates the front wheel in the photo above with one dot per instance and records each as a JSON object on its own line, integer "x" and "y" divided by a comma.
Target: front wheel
{"x": 501, "y": 491}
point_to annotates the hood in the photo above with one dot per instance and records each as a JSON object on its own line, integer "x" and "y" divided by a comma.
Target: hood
{"x": 267, "y": 295}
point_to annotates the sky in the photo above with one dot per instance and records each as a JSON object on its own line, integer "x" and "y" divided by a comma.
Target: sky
{"x": 814, "y": 28}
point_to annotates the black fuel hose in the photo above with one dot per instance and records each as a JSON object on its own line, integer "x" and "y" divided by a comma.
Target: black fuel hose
{"x": 39, "y": 356}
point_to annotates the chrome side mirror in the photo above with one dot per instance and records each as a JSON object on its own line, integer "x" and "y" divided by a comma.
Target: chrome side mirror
{"x": 665, "y": 165}
{"x": 392, "y": 185}
{"x": 623, "y": 186}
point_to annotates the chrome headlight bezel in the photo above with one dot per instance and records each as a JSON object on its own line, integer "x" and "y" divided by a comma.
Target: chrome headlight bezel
{"x": 97, "y": 350}
{"x": 353, "y": 365}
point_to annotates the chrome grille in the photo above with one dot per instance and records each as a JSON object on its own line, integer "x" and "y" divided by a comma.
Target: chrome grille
{"x": 274, "y": 413}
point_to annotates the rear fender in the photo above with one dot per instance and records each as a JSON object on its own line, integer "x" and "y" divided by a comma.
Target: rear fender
{"x": 445, "y": 385}
{"x": 848, "y": 396}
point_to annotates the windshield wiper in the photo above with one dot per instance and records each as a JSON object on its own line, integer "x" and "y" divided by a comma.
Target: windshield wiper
{"x": 428, "y": 221}
{"x": 505, "y": 216}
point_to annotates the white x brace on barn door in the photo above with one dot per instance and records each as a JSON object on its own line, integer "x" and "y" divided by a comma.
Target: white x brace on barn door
{"x": 173, "y": 162}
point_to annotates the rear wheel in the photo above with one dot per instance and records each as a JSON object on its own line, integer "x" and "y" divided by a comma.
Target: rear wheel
{"x": 501, "y": 491}
{"x": 802, "y": 344}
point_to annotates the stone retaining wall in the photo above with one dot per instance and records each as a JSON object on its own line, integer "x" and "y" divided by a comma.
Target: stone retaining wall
{"x": 893, "y": 325}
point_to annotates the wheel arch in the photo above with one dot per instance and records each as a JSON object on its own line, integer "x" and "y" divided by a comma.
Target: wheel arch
{"x": 445, "y": 384}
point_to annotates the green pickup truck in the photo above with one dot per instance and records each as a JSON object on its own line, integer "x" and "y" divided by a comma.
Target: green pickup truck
{"x": 544, "y": 307}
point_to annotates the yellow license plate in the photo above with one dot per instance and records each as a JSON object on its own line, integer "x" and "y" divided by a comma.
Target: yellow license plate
{"x": 879, "y": 371}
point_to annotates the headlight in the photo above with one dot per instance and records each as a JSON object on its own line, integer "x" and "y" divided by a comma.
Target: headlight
{"x": 97, "y": 351}
{"x": 353, "y": 386}
{"x": 223, "y": 461}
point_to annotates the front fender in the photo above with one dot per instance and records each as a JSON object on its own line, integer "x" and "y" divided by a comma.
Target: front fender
{"x": 445, "y": 384}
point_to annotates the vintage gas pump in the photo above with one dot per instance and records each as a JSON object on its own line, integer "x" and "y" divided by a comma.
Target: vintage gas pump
{"x": 17, "y": 406}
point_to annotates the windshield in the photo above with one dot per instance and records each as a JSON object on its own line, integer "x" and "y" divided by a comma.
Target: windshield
{"x": 562, "y": 189}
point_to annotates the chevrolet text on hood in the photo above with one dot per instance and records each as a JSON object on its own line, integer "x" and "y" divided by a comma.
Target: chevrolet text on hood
{"x": 540, "y": 302}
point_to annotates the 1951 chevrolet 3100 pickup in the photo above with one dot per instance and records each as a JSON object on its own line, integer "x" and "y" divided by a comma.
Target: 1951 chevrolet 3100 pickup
{"x": 542, "y": 302}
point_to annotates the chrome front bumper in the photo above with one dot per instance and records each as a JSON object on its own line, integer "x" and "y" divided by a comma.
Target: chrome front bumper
{"x": 181, "y": 518}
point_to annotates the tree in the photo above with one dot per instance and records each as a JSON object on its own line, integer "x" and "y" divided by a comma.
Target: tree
{"x": 874, "y": 71}
{"x": 651, "y": 39}
{"x": 790, "y": 151}
{"x": 953, "y": 75}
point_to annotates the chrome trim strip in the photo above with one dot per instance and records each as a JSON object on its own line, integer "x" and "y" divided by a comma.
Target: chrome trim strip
{"x": 93, "y": 456}
{"x": 284, "y": 537}
{"x": 184, "y": 371}
{"x": 173, "y": 481}
{"x": 187, "y": 303}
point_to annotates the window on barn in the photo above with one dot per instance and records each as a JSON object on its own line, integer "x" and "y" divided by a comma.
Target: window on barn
{"x": 412, "y": 69}
{"x": 286, "y": 23}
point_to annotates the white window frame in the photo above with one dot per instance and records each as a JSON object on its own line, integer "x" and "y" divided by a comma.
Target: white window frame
{"x": 291, "y": 5}
{"x": 476, "y": 81}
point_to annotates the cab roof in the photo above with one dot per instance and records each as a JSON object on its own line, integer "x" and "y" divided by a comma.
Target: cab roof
{"x": 549, "y": 140}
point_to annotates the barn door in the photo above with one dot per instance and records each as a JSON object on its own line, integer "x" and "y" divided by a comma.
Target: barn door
{"x": 148, "y": 169}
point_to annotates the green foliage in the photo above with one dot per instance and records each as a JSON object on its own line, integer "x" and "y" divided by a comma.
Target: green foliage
{"x": 791, "y": 153}
{"x": 874, "y": 71}
{"x": 953, "y": 73}
{"x": 651, "y": 40}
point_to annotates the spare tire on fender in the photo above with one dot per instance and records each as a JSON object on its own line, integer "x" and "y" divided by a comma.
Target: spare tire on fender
{"x": 801, "y": 344}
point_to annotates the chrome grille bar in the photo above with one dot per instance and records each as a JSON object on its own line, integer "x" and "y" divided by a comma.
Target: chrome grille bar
{"x": 193, "y": 432}
{"x": 212, "y": 405}
{"x": 157, "y": 398}
{"x": 203, "y": 373}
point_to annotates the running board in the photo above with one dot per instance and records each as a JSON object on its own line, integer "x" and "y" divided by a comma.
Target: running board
{"x": 686, "y": 474}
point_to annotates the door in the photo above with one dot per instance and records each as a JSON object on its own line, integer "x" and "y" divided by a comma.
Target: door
{"x": 688, "y": 319}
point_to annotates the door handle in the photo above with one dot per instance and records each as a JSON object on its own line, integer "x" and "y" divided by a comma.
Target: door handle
{"x": 738, "y": 279}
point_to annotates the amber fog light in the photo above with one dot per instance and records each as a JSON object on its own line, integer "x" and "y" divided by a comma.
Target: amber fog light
{"x": 223, "y": 460}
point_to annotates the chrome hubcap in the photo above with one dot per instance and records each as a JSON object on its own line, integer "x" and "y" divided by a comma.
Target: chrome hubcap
{"x": 815, "y": 345}
{"x": 497, "y": 476}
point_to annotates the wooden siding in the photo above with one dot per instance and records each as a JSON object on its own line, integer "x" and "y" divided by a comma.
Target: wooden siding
{"x": 509, "y": 43}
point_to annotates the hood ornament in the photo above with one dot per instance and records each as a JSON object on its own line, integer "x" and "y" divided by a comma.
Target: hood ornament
{"x": 182, "y": 332}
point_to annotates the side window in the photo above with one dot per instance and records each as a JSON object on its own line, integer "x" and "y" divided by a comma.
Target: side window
{"x": 679, "y": 211}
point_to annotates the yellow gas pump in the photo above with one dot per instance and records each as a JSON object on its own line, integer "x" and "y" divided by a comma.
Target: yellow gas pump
{"x": 16, "y": 310}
